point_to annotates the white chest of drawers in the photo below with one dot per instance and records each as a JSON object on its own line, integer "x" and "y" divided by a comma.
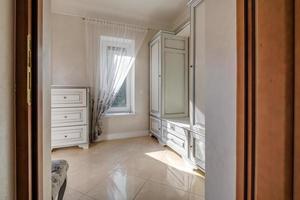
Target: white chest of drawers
{"x": 69, "y": 117}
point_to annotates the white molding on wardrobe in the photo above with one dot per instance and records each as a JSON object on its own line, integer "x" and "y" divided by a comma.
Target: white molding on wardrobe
{"x": 182, "y": 26}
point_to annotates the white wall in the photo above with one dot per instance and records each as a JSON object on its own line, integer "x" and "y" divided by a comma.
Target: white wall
{"x": 221, "y": 68}
{"x": 68, "y": 51}
{"x": 182, "y": 18}
{"x": 7, "y": 147}
{"x": 69, "y": 68}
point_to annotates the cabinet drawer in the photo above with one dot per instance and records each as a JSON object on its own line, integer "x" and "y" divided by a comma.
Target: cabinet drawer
{"x": 178, "y": 131}
{"x": 155, "y": 126}
{"x": 177, "y": 144}
{"x": 65, "y": 136}
{"x": 68, "y": 97}
{"x": 68, "y": 116}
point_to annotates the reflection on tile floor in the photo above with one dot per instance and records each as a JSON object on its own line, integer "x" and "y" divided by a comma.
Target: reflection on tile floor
{"x": 137, "y": 168}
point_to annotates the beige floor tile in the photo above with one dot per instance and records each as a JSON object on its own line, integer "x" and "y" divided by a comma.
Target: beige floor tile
{"x": 119, "y": 186}
{"x": 170, "y": 176}
{"x": 144, "y": 173}
{"x": 71, "y": 194}
{"x": 197, "y": 185}
{"x": 195, "y": 197}
{"x": 85, "y": 179}
{"x": 155, "y": 191}
{"x": 123, "y": 169}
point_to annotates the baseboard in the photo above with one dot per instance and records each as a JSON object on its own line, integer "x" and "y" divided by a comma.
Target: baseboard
{"x": 122, "y": 135}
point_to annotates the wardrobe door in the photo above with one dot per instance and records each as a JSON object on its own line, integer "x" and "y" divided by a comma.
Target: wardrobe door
{"x": 197, "y": 77}
{"x": 155, "y": 52}
{"x": 175, "y": 83}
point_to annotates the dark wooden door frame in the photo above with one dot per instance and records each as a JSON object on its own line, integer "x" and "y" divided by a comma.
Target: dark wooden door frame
{"x": 28, "y": 170}
{"x": 297, "y": 103}
{"x": 267, "y": 118}
{"x": 26, "y": 54}
{"x": 23, "y": 108}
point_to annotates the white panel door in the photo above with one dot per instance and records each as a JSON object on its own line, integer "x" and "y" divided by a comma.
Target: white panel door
{"x": 198, "y": 62}
{"x": 155, "y": 78}
{"x": 175, "y": 84}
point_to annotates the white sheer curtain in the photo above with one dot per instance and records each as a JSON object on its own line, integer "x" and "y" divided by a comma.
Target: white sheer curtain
{"x": 111, "y": 50}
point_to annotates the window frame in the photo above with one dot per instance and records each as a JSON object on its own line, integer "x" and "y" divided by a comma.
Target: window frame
{"x": 106, "y": 41}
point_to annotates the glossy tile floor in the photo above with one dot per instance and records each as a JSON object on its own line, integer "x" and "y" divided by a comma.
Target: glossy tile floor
{"x": 137, "y": 168}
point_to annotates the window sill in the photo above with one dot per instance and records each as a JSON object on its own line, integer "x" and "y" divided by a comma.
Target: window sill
{"x": 119, "y": 114}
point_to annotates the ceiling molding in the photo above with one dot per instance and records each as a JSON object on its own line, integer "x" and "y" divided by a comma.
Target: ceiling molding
{"x": 150, "y": 25}
{"x": 157, "y": 14}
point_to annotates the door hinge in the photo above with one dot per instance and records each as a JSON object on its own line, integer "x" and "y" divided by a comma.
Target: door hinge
{"x": 29, "y": 67}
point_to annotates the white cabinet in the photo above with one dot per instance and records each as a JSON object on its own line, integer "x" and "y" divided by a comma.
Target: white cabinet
{"x": 169, "y": 75}
{"x": 169, "y": 90}
{"x": 69, "y": 117}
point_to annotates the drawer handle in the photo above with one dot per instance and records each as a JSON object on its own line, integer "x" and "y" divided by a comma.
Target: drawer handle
{"x": 65, "y": 116}
{"x": 65, "y": 97}
{"x": 66, "y": 136}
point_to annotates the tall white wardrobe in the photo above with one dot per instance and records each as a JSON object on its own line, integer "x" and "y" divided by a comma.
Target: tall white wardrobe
{"x": 176, "y": 98}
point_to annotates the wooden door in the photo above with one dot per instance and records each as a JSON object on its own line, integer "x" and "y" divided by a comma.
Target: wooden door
{"x": 25, "y": 54}
{"x": 266, "y": 96}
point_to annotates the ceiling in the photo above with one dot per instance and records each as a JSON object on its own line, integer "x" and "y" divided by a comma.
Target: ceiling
{"x": 152, "y": 13}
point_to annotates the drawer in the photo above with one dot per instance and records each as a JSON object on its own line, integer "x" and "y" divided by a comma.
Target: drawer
{"x": 65, "y": 136}
{"x": 177, "y": 144}
{"x": 155, "y": 126}
{"x": 68, "y": 116}
{"x": 68, "y": 97}
{"x": 178, "y": 131}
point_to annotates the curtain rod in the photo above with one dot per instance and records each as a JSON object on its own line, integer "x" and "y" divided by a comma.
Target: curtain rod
{"x": 115, "y": 23}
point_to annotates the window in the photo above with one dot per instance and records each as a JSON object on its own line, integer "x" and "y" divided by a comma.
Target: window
{"x": 111, "y": 49}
